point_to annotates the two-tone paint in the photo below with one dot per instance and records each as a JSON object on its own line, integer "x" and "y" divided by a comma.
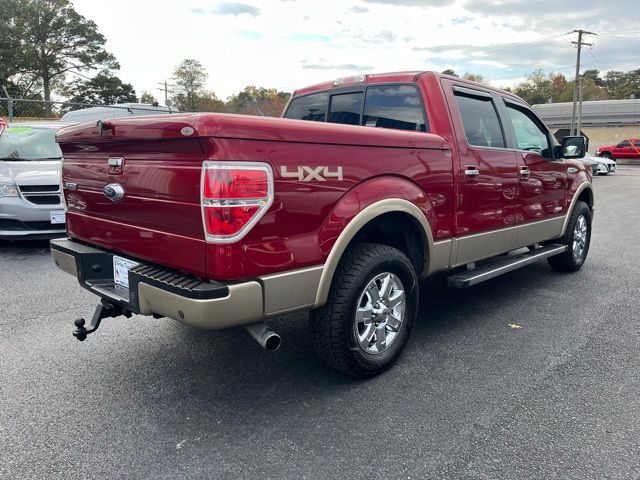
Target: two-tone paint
{"x": 418, "y": 175}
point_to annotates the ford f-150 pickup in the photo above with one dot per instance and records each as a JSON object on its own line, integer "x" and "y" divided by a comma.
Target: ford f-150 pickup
{"x": 365, "y": 186}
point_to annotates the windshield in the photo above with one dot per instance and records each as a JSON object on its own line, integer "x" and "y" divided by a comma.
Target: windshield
{"x": 28, "y": 143}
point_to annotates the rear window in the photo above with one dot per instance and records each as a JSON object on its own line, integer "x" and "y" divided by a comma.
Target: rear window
{"x": 310, "y": 107}
{"x": 346, "y": 108}
{"x": 385, "y": 106}
{"x": 28, "y": 143}
{"x": 397, "y": 107}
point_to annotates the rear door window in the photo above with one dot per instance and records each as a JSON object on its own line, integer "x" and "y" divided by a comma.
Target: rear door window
{"x": 480, "y": 120}
{"x": 309, "y": 107}
{"x": 394, "y": 106}
{"x": 346, "y": 108}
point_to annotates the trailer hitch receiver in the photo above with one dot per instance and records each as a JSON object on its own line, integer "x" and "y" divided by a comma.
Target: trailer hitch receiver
{"x": 103, "y": 310}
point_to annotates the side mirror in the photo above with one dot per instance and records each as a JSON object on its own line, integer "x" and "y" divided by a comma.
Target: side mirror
{"x": 572, "y": 147}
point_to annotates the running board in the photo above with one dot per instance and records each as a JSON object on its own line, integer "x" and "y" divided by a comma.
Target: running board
{"x": 502, "y": 265}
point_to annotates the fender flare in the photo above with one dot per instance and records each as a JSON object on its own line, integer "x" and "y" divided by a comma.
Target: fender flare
{"x": 436, "y": 253}
{"x": 582, "y": 187}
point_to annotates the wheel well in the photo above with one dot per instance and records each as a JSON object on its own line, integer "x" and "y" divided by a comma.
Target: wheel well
{"x": 398, "y": 230}
{"x": 587, "y": 197}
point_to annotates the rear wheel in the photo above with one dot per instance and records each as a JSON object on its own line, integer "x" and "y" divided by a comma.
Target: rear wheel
{"x": 370, "y": 312}
{"x": 577, "y": 238}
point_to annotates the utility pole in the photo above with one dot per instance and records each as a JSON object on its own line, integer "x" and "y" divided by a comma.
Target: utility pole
{"x": 166, "y": 91}
{"x": 579, "y": 44}
{"x": 580, "y": 93}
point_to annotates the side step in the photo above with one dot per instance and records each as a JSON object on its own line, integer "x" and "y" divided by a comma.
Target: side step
{"x": 502, "y": 265}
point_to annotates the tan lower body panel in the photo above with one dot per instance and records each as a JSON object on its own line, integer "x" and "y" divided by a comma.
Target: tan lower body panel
{"x": 243, "y": 305}
{"x": 291, "y": 291}
{"x": 524, "y": 235}
{"x": 65, "y": 262}
{"x": 487, "y": 244}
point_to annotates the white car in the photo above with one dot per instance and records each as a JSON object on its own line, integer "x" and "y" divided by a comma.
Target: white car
{"x": 600, "y": 165}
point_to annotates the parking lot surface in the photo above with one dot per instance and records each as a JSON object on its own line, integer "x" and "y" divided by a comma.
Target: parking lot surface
{"x": 472, "y": 396}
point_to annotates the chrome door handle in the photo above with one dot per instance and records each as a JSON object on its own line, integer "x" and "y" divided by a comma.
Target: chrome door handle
{"x": 525, "y": 172}
{"x": 471, "y": 171}
{"x": 572, "y": 170}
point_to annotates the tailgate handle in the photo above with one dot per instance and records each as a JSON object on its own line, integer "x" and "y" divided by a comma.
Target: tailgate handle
{"x": 115, "y": 161}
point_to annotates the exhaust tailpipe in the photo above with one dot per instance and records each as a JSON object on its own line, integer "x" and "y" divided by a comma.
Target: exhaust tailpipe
{"x": 264, "y": 336}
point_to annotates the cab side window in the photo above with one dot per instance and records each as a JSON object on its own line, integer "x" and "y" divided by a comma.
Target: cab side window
{"x": 480, "y": 120}
{"x": 345, "y": 108}
{"x": 530, "y": 134}
{"x": 309, "y": 107}
{"x": 625, "y": 143}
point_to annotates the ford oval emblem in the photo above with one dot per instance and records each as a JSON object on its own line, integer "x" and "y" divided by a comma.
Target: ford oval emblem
{"x": 113, "y": 192}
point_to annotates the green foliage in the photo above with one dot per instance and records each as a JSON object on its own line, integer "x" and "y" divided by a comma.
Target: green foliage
{"x": 476, "y": 77}
{"x": 190, "y": 78}
{"x": 147, "y": 97}
{"x": 540, "y": 87}
{"x": 42, "y": 40}
{"x": 451, "y": 72}
{"x": 622, "y": 85}
{"x": 104, "y": 88}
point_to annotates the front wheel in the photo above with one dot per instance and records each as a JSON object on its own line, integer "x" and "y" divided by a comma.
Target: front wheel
{"x": 370, "y": 312}
{"x": 577, "y": 238}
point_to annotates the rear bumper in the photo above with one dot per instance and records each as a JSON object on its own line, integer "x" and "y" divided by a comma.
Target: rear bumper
{"x": 205, "y": 304}
{"x": 162, "y": 292}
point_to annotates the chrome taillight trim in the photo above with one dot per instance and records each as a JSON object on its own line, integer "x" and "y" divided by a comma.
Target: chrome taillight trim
{"x": 262, "y": 203}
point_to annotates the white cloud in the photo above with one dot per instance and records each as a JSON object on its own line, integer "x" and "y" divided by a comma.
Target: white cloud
{"x": 290, "y": 44}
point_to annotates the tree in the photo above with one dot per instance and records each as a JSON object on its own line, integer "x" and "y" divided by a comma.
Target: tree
{"x": 449, "y": 71}
{"x": 147, "y": 97}
{"x": 254, "y": 100}
{"x": 476, "y": 77}
{"x": 104, "y": 88}
{"x": 48, "y": 39}
{"x": 189, "y": 78}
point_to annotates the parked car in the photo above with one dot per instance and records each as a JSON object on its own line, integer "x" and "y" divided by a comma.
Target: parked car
{"x": 367, "y": 185}
{"x": 30, "y": 196}
{"x": 600, "y": 165}
{"x": 629, "y": 148}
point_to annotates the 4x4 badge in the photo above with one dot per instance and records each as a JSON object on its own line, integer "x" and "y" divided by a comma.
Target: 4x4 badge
{"x": 306, "y": 174}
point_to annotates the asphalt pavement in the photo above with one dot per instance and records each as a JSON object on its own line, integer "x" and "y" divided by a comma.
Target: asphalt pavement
{"x": 472, "y": 397}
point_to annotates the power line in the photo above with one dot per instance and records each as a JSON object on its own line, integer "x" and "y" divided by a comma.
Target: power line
{"x": 480, "y": 54}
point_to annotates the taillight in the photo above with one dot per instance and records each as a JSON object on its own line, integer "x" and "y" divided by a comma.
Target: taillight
{"x": 234, "y": 197}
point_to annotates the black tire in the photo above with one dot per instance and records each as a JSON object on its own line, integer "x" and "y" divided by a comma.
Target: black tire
{"x": 570, "y": 261}
{"x": 335, "y": 327}
{"x": 606, "y": 155}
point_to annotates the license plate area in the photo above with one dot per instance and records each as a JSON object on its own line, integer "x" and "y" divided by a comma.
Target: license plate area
{"x": 121, "y": 267}
{"x": 57, "y": 217}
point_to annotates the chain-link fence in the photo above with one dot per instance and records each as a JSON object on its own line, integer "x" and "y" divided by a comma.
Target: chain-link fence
{"x": 21, "y": 110}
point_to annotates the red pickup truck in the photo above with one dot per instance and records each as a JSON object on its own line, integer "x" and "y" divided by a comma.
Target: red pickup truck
{"x": 367, "y": 185}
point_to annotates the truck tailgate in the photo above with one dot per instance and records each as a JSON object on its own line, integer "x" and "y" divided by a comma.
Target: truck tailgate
{"x": 159, "y": 216}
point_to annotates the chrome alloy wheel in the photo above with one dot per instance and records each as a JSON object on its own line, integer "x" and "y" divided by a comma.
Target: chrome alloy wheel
{"x": 380, "y": 313}
{"x": 580, "y": 237}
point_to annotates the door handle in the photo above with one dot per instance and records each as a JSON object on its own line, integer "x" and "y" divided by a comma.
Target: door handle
{"x": 572, "y": 170}
{"x": 471, "y": 171}
{"x": 525, "y": 172}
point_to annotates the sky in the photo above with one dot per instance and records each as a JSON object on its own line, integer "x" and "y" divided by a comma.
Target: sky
{"x": 288, "y": 44}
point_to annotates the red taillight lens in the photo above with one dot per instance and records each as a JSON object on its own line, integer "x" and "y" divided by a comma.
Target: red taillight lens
{"x": 228, "y": 220}
{"x": 234, "y": 198}
{"x": 233, "y": 183}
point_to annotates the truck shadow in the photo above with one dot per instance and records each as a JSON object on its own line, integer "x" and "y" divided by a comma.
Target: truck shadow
{"x": 228, "y": 369}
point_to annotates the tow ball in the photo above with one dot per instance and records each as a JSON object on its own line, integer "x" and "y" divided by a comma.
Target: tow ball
{"x": 103, "y": 310}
